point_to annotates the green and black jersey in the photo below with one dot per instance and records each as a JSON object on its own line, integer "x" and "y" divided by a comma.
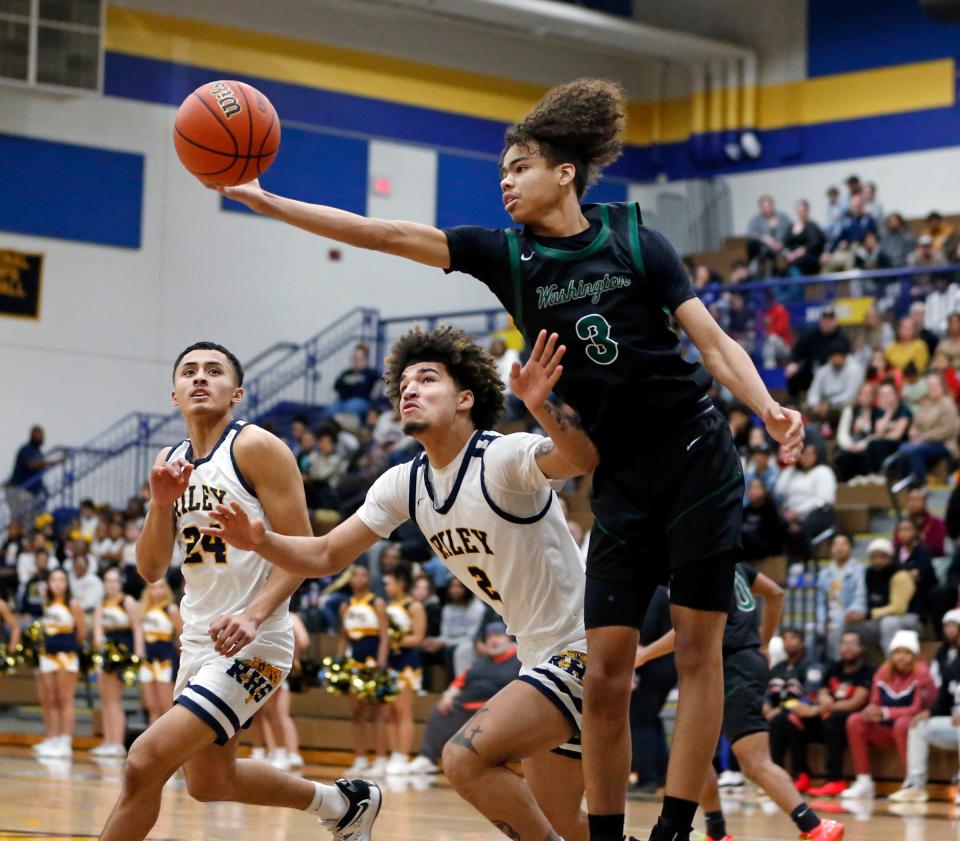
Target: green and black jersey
{"x": 608, "y": 292}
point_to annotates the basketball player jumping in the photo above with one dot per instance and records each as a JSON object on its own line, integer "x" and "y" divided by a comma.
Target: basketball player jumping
{"x": 669, "y": 485}
{"x": 485, "y": 503}
{"x": 237, "y": 642}
{"x": 745, "y": 677}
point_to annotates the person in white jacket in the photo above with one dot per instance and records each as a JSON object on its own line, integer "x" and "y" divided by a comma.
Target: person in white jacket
{"x": 806, "y": 493}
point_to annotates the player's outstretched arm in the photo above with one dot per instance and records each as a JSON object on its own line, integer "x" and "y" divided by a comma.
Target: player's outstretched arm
{"x": 168, "y": 481}
{"x": 421, "y": 243}
{"x": 308, "y": 557}
{"x": 732, "y": 365}
{"x": 658, "y": 648}
{"x": 569, "y": 452}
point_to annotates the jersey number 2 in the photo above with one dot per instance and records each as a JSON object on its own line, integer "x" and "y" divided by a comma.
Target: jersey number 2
{"x": 594, "y": 329}
{"x": 199, "y": 545}
{"x": 484, "y": 583}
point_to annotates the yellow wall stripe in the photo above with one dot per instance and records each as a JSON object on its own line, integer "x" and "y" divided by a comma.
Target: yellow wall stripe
{"x": 846, "y": 96}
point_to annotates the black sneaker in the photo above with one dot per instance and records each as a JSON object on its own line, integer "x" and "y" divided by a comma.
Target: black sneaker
{"x": 363, "y": 799}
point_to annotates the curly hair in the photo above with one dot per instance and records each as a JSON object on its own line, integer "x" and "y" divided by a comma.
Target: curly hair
{"x": 471, "y": 367}
{"x": 580, "y": 122}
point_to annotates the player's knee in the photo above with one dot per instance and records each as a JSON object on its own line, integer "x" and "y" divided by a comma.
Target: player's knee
{"x": 694, "y": 655}
{"x": 460, "y": 765}
{"x": 207, "y": 789}
{"x": 142, "y": 769}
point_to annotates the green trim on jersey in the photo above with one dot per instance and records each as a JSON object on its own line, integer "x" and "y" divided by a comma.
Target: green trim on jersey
{"x": 588, "y": 250}
{"x": 635, "y": 253}
{"x": 513, "y": 248}
{"x": 598, "y": 525}
{"x": 737, "y": 477}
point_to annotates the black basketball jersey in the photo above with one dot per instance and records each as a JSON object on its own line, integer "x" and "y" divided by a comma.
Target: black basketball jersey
{"x": 608, "y": 292}
{"x": 743, "y": 618}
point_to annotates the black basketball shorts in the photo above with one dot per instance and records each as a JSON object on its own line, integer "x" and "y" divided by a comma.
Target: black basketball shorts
{"x": 745, "y": 678}
{"x": 669, "y": 512}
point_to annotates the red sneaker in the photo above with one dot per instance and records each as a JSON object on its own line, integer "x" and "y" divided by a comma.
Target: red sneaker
{"x": 802, "y": 783}
{"x": 830, "y": 789}
{"x": 828, "y": 830}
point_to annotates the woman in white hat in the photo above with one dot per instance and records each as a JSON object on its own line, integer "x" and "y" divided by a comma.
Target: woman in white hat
{"x": 902, "y": 687}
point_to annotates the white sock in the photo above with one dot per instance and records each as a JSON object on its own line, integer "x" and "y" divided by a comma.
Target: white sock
{"x": 328, "y": 804}
{"x": 864, "y": 778}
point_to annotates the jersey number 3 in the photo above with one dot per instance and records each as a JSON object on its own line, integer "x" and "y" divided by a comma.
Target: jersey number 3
{"x": 594, "y": 329}
{"x": 199, "y": 545}
{"x": 484, "y": 583}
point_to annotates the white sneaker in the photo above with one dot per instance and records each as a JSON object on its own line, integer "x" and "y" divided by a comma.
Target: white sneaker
{"x": 363, "y": 806}
{"x": 259, "y": 754}
{"x": 730, "y": 779}
{"x": 862, "y": 789}
{"x": 55, "y": 748}
{"x": 278, "y": 759}
{"x": 361, "y": 765}
{"x": 41, "y": 745}
{"x": 294, "y": 760}
{"x": 910, "y": 794}
{"x": 379, "y": 767}
{"x": 397, "y": 764}
{"x": 422, "y": 765}
{"x": 109, "y": 749}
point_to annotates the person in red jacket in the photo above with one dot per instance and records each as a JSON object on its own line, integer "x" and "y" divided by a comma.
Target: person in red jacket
{"x": 902, "y": 687}
{"x": 933, "y": 531}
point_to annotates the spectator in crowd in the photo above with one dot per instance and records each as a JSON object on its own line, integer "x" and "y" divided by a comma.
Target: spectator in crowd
{"x": 85, "y": 584}
{"x": 467, "y": 693}
{"x": 423, "y": 591}
{"x": 298, "y": 426}
{"x": 766, "y": 233}
{"x": 932, "y": 529}
{"x": 777, "y": 335}
{"x": 854, "y": 188}
{"x": 308, "y": 448}
{"x": 761, "y": 465}
{"x": 804, "y": 242}
{"x": 813, "y": 348}
{"x": 845, "y": 690}
{"x": 933, "y": 434}
{"x": 926, "y": 253}
{"x": 940, "y": 364}
{"x": 918, "y": 314}
{"x": 946, "y": 597}
{"x": 505, "y": 357}
{"x": 942, "y": 300}
{"x": 794, "y": 681}
{"x": 890, "y": 429}
{"x": 836, "y": 207}
{"x": 914, "y": 557}
{"x": 835, "y": 384}
{"x": 871, "y": 204}
{"x": 24, "y": 488}
{"x": 875, "y": 333}
{"x": 842, "y": 592}
{"x": 327, "y": 467}
{"x": 855, "y": 430}
{"x": 653, "y": 682}
{"x": 807, "y": 492}
{"x": 856, "y": 225}
{"x": 133, "y": 584}
{"x": 763, "y": 532}
{"x": 30, "y": 596}
{"x": 869, "y": 254}
{"x": 890, "y": 591}
{"x": 896, "y": 240}
{"x": 89, "y": 518}
{"x": 907, "y": 348}
{"x": 913, "y": 388}
{"x": 460, "y": 623}
{"x": 949, "y": 649}
{"x": 896, "y": 698}
{"x": 355, "y": 386}
{"x": 940, "y": 231}
{"x": 950, "y": 344}
{"x": 879, "y": 371}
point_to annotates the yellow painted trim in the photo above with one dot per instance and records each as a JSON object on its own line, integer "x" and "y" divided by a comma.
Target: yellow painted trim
{"x": 845, "y": 96}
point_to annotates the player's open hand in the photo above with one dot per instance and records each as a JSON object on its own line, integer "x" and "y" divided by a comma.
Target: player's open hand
{"x": 230, "y": 633}
{"x": 251, "y": 194}
{"x": 234, "y": 526}
{"x": 786, "y": 427}
{"x": 533, "y": 382}
{"x": 169, "y": 480}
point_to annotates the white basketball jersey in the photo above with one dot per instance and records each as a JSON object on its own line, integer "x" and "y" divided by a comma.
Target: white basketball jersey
{"x": 492, "y": 517}
{"x": 218, "y": 578}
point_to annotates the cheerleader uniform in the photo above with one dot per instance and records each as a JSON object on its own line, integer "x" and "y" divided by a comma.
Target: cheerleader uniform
{"x": 159, "y": 651}
{"x": 362, "y": 626}
{"x": 59, "y": 639}
{"x": 115, "y": 622}
{"x": 406, "y": 661}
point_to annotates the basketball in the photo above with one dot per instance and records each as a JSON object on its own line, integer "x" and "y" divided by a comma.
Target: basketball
{"x": 226, "y": 133}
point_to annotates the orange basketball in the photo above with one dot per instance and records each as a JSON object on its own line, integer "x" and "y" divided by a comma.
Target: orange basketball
{"x": 226, "y": 133}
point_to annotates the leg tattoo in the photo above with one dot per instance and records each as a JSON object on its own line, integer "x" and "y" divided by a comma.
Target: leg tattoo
{"x": 507, "y": 830}
{"x": 465, "y": 735}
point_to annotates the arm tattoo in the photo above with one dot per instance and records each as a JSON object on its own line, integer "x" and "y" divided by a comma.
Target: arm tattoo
{"x": 564, "y": 420}
{"x": 544, "y": 448}
{"x": 465, "y": 735}
{"x": 507, "y": 830}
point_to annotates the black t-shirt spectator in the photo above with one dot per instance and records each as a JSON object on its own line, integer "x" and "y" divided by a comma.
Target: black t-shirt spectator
{"x": 23, "y": 471}
{"x": 841, "y": 684}
{"x": 920, "y": 565}
{"x": 353, "y": 383}
{"x": 793, "y": 684}
{"x": 814, "y": 347}
{"x": 743, "y": 623}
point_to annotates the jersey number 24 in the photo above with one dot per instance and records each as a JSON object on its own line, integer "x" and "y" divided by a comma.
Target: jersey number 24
{"x": 202, "y": 546}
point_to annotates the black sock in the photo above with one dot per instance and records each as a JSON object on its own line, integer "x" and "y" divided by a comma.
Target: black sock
{"x": 805, "y": 818}
{"x": 716, "y": 825}
{"x": 605, "y": 827}
{"x": 676, "y": 820}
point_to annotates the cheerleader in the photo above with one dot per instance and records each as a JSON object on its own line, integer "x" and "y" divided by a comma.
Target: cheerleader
{"x": 115, "y": 620}
{"x": 408, "y": 627}
{"x": 9, "y": 620}
{"x": 366, "y": 639}
{"x": 283, "y": 741}
{"x": 161, "y": 626}
{"x": 64, "y": 628}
